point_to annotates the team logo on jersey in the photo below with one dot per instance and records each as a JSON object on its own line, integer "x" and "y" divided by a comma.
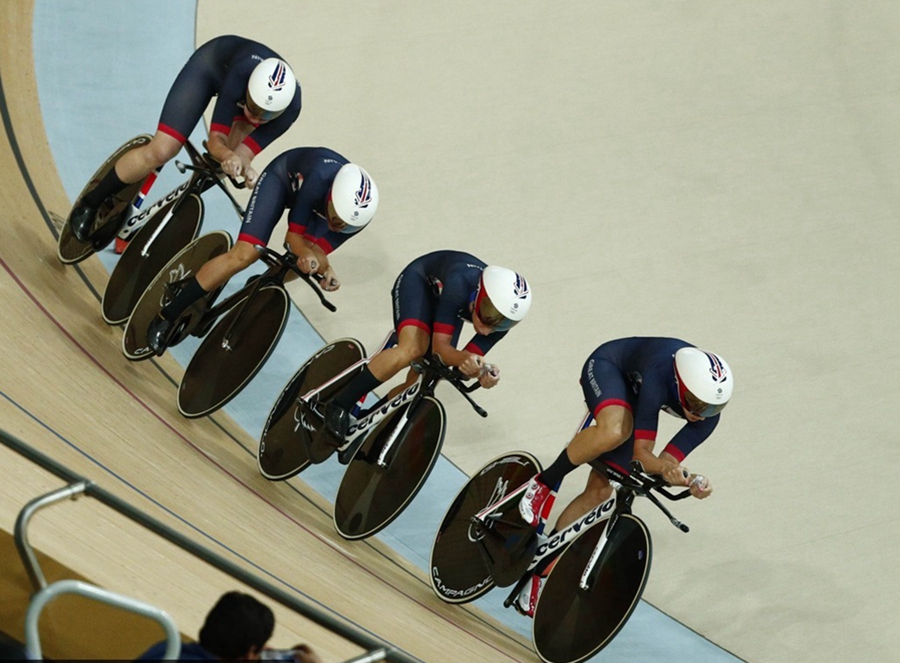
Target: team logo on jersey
{"x": 716, "y": 368}
{"x": 278, "y": 77}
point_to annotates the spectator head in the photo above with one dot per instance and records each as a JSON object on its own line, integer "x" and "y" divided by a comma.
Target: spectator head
{"x": 236, "y": 626}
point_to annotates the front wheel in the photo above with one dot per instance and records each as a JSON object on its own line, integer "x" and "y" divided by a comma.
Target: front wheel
{"x": 282, "y": 448}
{"x": 69, "y": 249}
{"x": 372, "y": 494}
{"x": 571, "y": 623}
{"x": 459, "y": 573}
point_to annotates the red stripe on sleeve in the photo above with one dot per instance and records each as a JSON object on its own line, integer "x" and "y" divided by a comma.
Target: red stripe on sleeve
{"x": 252, "y": 144}
{"x": 675, "y": 452}
{"x": 221, "y": 128}
{"x": 645, "y": 435}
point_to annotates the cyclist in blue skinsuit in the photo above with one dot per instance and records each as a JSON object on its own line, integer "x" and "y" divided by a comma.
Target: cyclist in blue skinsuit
{"x": 626, "y": 383}
{"x": 432, "y": 298}
{"x": 258, "y": 100}
{"x": 330, "y": 200}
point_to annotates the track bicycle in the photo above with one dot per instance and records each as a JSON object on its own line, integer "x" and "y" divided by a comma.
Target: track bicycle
{"x": 598, "y": 565}
{"x": 158, "y": 233}
{"x": 390, "y": 449}
{"x": 239, "y": 333}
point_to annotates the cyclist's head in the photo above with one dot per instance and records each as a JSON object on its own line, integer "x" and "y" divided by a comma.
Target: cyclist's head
{"x": 271, "y": 89}
{"x": 353, "y": 199}
{"x": 502, "y": 298}
{"x": 704, "y": 380}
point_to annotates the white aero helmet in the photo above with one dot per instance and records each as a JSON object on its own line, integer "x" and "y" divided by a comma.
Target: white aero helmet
{"x": 271, "y": 88}
{"x": 705, "y": 382}
{"x": 354, "y": 196}
{"x": 503, "y": 298}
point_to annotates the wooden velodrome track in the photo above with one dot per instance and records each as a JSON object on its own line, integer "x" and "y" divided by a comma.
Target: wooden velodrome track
{"x": 724, "y": 174}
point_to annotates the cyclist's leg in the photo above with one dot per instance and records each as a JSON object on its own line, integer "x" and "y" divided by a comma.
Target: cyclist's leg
{"x": 607, "y": 396}
{"x": 190, "y": 259}
{"x": 596, "y": 490}
{"x": 210, "y": 277}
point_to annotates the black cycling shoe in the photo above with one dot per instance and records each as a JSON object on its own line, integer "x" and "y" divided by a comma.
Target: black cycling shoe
{"x": 81, "y": 221}
{"x": 337, "y": 420}
{"x": 159, "y": 334}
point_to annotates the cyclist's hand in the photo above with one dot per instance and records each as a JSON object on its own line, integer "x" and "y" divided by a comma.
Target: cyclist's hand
{"x": 676, "y": 475}
{"x": 701, "y": 488}
{"x": 250, "y": 177}
{"x": 308, "y": 263}
{"x": 233, "y": 166}
{"x": 471, "y": 367}
{"x": 329, "y": 282}
{"x": 490, "y": 376}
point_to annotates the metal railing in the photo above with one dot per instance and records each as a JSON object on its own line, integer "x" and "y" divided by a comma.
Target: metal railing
{"x": 377, "y": 650}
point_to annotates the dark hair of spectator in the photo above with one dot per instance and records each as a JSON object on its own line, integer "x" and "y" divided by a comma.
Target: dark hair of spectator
{"x": 236, "y": 623}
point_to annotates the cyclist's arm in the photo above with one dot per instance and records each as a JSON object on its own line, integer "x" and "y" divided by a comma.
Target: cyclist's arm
{"x": 309, "y": 256}
{"x": 468, "y": 363}
{"x": 665, "y": 463}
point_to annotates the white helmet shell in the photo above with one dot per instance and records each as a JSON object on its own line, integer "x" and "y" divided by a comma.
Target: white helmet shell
{"x": 355, "y": 196}
{"x": 272, "y": 87}
{"x": 706, "y": 376}
{"x": 505, "y": 293}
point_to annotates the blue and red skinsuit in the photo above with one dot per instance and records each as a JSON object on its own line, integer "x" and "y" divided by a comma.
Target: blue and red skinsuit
{"x": 221, "y": 67}
{"x": 434, "y": 293}
{"x": 299, "y": 180}
{"x": 639, "y": 374}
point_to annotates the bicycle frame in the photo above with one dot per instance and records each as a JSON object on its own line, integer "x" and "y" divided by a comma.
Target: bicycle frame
{"x": 200, "y": 181}
{"x": 429, "y": 377}
{"x": 279, "y": 266}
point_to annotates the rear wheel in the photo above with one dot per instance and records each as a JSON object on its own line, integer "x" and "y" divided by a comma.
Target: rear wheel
{"x": 70, "y": 249}
{"x": 370, "y": 496}
{"x": 572, "y": 624}
{"x": 459, "y": 572}
{"x": 234, "y": 351}
{"x": 282, "y": 448}
{"x": 142, "y": 259}
{"x": 183, "y": 265}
